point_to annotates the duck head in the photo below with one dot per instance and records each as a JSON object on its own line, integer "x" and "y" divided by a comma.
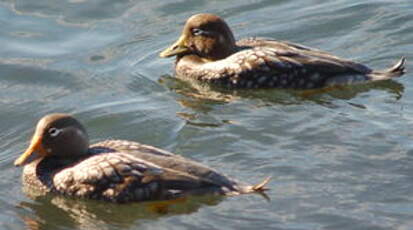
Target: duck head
{"x": 204, "y": 35}
{"x": 58, "y": 135}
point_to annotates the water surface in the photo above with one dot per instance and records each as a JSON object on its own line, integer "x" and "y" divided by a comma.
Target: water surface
{"x": 340, "y": 159}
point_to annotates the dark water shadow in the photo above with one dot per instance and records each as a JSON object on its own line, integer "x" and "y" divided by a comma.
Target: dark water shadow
{"x": 200, "y": 96}
{"x": 49, "y": 211}
{"x": 17, "y": 72}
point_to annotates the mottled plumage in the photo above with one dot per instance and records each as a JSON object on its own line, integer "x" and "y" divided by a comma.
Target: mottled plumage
{"x": 114, "y": 170}
{"x": 207, "y": 51}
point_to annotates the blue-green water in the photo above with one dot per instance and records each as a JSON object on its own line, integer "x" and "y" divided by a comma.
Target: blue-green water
{"x": 339, "y": 160}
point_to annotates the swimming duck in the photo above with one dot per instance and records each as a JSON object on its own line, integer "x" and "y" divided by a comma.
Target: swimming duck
{"x": 208, "y": 52}
{"x": 60, "y": 160}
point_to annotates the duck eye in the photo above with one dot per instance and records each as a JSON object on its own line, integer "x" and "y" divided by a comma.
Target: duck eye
{"x": 197, "y": 31}
{"x": 53, "y": 132}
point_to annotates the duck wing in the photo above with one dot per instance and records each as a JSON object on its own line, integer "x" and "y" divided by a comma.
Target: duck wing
{"x": 123, "y": 171}
{"x": 267, "y": 63}
{"x": 178, "y": 173}
{"x": 307, "y": 55}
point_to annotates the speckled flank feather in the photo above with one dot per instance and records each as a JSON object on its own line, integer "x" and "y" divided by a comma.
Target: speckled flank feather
{"x": 265, "y": 63}
{"x": 110, "y": 176}
{"x": 123, "y": 171}
{"x": 279, "y": 65}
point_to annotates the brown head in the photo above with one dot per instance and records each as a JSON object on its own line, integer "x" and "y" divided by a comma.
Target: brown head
{"x": 56, "y": 135}
{"x": 204, "y": 35}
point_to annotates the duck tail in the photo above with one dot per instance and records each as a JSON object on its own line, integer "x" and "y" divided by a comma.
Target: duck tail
{"x": 260, "y": 187}
{"x": 396, "y": 70}
{"x": 257, "y": 188}
{"x": 247, "y": 189}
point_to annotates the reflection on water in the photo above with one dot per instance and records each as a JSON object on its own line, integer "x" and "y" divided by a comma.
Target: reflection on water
{"x": 197, "y": 95}
{"x": 55, "y": 212}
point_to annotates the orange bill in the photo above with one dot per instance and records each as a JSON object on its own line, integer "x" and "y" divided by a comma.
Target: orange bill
{"x": 177, "y": 48}
{"x": 32, "y": 153}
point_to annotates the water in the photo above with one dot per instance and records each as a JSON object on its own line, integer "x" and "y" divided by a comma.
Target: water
{"x": 339, "y": 160}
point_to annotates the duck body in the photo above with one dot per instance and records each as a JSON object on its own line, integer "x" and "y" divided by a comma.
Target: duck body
{"x": 125, "y": 171}
{"x": 207, "y": 51}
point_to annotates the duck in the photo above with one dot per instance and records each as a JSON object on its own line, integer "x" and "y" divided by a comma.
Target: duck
{"x": 207, "y": 52}
{"x": 60, "y": 160}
